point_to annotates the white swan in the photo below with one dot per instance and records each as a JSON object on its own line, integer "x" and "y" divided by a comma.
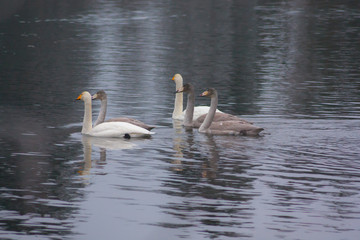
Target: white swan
{"x": 224, "y": 127}
{"x": 108, "y": 129}
{"x": 188, "y": 117}
{"x": 178, "y": 112}
{"x": 101, "y": 95}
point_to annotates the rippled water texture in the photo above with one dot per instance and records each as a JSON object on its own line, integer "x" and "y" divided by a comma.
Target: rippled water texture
{"x": 291, "y": 67}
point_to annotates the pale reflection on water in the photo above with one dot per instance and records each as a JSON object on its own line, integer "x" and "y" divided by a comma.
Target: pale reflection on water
{"x": 103, "y": 144}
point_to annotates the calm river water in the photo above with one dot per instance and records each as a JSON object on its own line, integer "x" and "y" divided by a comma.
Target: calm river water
{"x": 291, "y": 67}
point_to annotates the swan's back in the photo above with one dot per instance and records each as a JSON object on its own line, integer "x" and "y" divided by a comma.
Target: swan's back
{"x": 219, "y": 116}
{"x": 132, "y": 121}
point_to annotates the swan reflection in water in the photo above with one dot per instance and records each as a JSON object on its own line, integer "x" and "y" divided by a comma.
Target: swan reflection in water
{"x": 186, "y": 147}
{"x": 103, "y": 144}
{"x": 210, "y": 166}
{"x": 177, "y": 143}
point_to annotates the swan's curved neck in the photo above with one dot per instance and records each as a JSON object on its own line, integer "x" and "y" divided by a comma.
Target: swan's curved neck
{"x": 178, "y": 105}
{"x": 210, "y": 116}
{"x": 189, "y": 112}
{"x": 102, "y": 113}
{"x": 87, "y": 121}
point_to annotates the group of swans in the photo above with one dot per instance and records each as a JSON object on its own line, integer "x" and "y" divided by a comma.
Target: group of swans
{"x": 123, "y": 128}
{"x": 208, "y": 119}
{"x": 178, "y": 112}
{"x": 215, "y": 123}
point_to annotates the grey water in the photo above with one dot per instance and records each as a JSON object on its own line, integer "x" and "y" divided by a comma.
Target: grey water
{"x": 291, "y": 67}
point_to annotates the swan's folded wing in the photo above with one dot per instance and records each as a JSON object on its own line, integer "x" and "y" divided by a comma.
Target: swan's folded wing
{"x": 132, "y": 121}
{"x": 219, "y": 116}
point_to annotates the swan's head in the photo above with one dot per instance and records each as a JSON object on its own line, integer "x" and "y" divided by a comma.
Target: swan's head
{"x": 186, "y": 88}
{"x": 100, "y": 95}
{"x": 210, "y": 92}
{"x": 84, "y": 96}
{"x": 177, "y": 78}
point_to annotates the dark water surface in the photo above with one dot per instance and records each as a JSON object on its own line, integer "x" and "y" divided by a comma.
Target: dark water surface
{"x": 291, "y": 67}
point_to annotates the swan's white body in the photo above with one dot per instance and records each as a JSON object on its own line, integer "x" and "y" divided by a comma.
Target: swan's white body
{"x": 178, "y": 112}
{"x": 108, "y": 129}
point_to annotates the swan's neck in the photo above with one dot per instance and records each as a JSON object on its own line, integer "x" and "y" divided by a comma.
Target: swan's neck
{"x": 87, "y": 122}
{"x": 210, "y": 116}
{"x": 178, "y": 105}
{"x": 189, "y": 112}
{"x": 102, "y": 113}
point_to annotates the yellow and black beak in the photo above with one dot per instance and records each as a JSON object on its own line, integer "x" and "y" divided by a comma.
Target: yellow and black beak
{"x": 205, "y": 93}
{"x": 79, "y": 97}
